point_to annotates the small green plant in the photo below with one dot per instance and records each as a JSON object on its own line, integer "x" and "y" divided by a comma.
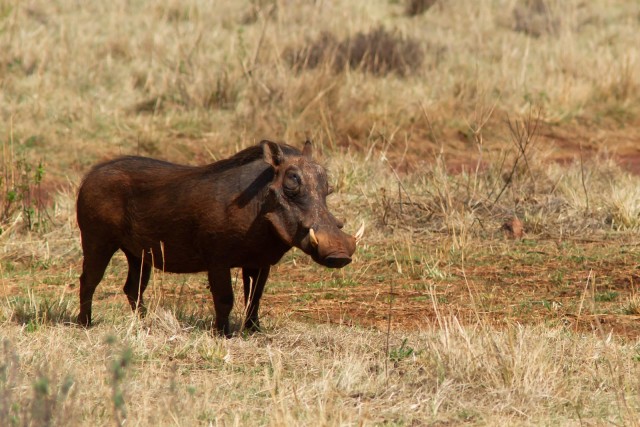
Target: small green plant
{"x": 21, "y": 190}
{"x": 49, "y": 405}
{"x": 607, "y": 296}
{"x": 433, "y": 271}
{"x": 558, "y": 278}
{"x": 306, "y": 297}
{"x": 47, "y": 400}
{"x": 117, "y": 370}
{"x": 398, "y": 354}
{"x": 9, "y": 368}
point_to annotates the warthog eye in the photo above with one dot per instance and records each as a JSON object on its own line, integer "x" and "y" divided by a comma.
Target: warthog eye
{"x": 292, "y": 183}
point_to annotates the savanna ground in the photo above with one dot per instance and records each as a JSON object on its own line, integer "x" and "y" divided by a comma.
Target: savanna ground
{"x": 440, "y": 122}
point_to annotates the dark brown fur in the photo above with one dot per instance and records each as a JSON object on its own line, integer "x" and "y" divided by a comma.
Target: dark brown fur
{"x": 246, "y": 211}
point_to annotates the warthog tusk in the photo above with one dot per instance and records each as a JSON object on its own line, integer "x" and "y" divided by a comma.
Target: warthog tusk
{"x": 313, "y": 238}
{"x": 359, "y": 233}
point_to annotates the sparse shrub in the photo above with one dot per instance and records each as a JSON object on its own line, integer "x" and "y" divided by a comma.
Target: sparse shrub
{"x": 175, "y": 12}
{"x": 221, "y": 94}
{"x": 623, "y": 215}
{"x": 318, "y": 52}
{"x": 379, "y": 52}
{"x": 536, "y": 17}
{"x": 418, "y": 7}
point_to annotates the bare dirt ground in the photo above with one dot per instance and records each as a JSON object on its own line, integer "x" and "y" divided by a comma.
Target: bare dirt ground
{"x": 506, "y": 290}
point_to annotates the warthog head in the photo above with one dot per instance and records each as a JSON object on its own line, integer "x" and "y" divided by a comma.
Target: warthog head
{"x": 298, "y": 209}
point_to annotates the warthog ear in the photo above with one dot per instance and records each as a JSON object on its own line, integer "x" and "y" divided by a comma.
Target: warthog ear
{"x": 272, "y": 153}
{"x": 307, "y": 150}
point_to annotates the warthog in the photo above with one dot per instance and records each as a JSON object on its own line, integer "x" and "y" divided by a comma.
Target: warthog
{"x": 245, "y": 211}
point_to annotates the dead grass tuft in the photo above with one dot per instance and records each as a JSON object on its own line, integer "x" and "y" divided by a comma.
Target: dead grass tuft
{"x": 189, "y": 92}
{"x": 260, "y": 8}
{"x": 317, "y": 52}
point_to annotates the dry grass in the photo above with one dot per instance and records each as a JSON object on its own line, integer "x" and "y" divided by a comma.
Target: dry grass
{"x": 430, "y": 129}
{"x": 321, "y": 375}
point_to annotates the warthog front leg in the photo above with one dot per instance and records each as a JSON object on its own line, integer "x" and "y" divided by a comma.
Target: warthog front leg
{"x": 254, "y": 280}
{"x": 222, "y": 292}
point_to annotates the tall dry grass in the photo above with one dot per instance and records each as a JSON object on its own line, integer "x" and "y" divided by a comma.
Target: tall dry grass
{"x": 163, "y": 372}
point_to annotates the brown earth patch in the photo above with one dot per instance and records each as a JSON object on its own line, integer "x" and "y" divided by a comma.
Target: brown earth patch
{"x": 581, "y": 286}
{"x": 591, "y": 298}
{"x": 564, "y": 144}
